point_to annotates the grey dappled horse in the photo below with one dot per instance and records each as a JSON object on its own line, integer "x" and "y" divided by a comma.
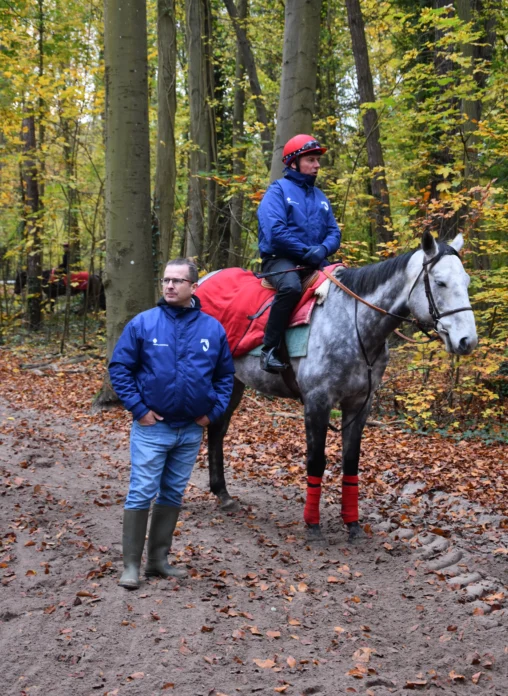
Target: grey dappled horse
{"x": 347, "y": 355}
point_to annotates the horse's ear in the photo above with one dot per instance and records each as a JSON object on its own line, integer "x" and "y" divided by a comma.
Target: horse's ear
{"x": 458, "y": 242}
{"x": 429, "y": 245}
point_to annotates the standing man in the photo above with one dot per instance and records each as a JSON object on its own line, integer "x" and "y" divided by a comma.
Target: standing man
{"x": 296, "y": 228}
{"x": 173, "y": 370}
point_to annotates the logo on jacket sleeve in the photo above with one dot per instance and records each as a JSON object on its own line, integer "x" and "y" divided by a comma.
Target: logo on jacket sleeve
{"x": 325, "y": 204}
{"x": 206, "y": 344}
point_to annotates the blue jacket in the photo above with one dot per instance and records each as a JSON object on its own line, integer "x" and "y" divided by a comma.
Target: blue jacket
{"x": 175, "y": 361}
{"x": 295, "y": 215}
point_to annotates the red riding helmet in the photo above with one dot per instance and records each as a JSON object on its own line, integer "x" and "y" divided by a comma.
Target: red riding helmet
{"x": 300, "y": 145}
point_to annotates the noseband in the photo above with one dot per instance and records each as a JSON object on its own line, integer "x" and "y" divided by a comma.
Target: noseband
{"x": 426, "y": 267}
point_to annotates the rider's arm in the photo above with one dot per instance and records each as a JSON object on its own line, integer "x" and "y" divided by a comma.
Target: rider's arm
{"x": 333, "y": 236}
{"x": 273, "y": 220}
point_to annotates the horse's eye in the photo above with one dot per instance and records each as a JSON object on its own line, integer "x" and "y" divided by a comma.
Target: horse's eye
{"x": 440, "y": 284}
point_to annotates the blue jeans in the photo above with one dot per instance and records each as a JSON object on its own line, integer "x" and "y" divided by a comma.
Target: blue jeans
{"x": 162, "y": 459}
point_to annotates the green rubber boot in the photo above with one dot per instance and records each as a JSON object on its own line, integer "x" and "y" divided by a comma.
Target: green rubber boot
{"x": 162, "y": 526}
{"x": 133, "y": 539}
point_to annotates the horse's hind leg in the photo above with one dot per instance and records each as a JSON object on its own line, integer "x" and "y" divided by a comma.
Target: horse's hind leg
{"x": 216, "y": 433}
{"x": 354, "y": 418}
{"x": 316, "y": 423}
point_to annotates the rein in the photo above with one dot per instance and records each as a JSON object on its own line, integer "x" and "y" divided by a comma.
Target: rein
{"x": 433, "y": 311}
{"x": 415, "y": 322}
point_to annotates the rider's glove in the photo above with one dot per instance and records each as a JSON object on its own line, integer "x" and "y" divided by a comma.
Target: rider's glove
{"x": 315, "y": 256}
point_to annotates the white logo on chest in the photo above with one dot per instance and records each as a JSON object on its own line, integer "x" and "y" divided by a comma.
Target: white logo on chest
{"x": 293, "y": 202}
{"x": 206, "y": 344}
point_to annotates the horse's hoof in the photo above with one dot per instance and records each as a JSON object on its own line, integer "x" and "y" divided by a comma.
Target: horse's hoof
{"x": 356, "y": 533}
{"x": 314, "y": 534}
{"x": 227, "y": 504}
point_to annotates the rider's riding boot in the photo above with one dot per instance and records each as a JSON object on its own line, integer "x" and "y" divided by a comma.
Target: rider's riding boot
{"x": 162, "y": 526}
{"x": 271, "y": 361}
{"x": 133, "y": 538}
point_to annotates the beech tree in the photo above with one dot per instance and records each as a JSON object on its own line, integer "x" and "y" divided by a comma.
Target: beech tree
{"x": 198, "y": 128}
{"x": 298, "y": 79}
{"x": 379, "y": 187}
{"x": 129, "y": 268}
{"x": 30, "y": 197}
{"x": 165, "y": 179}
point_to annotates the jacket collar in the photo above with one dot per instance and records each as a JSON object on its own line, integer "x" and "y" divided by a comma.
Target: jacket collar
{"x": 303, "y": 180}
{"x": 178, "y": 311}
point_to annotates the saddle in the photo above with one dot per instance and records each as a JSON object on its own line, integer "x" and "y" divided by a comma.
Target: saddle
{"x": 238, "y": 299}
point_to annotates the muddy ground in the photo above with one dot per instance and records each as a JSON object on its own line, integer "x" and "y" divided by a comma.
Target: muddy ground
{"x": 262, "y": 612}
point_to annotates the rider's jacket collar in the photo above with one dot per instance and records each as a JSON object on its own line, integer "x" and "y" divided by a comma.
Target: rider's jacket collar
{"x": 299, "y": 178}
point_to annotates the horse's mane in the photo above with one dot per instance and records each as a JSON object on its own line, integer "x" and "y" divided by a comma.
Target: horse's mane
{"x": 367, "y": 278}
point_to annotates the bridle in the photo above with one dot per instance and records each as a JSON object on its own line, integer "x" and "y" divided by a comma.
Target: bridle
{"x": 426, "y": 267}
{"x": 433, "y": 310}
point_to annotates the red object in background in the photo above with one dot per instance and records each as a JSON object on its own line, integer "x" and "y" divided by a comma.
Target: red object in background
{"x": 79, "y": 279}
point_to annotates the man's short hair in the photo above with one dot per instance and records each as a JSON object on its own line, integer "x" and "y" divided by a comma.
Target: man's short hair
{"x": 193, "y": 269}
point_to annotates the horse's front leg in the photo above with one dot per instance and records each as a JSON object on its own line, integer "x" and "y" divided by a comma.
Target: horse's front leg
{"x": 354, "y": 418}
{"x": 216, "y": 433}
{"x": 316, "y": 425}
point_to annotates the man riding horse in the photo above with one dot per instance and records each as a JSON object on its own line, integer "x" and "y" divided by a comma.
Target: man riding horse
{"x": 296, "y": 228}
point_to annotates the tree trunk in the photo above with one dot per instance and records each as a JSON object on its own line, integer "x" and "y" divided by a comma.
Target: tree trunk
{"x": 250, "y": 65}
{"x": 381, "y": 213}
{"x": 32, "y": 230}
{"x": 72, "y": 224}
{"x": 199, "y": 128}
{"x": 213, "y": 101}
{"x": 165, "y": 178}
{"x": 239, "y": 151}
{"x": 442, "y": 156}
{"x": 298, "y": 80}
{"x": 478, "y": 52}
{"x": 129, "y": 270}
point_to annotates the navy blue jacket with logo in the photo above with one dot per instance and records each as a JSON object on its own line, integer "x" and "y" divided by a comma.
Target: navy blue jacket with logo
{"x": 295, "y": 215}
{"x": 174, "y": 361}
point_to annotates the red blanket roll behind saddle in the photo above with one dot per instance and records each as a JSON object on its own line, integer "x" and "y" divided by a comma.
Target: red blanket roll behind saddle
{"x": 79, "y": 279}
{"x": 236, "y": 298}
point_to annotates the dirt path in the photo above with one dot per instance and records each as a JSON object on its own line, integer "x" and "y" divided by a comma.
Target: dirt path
{"x": 261, "y": 612}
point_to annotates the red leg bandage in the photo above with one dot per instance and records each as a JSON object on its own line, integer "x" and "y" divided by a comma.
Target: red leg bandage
{"x": 350, "y": 499}
{"x": 311, "y": 512}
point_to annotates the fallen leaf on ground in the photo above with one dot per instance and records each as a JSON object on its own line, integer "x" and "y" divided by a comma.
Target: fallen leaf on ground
{"x": 264, "y": 664}
{"x": 416, "y": 684}
{"x": 456, "y": 677}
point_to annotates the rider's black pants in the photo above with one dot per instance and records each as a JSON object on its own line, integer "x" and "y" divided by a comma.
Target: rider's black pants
{"x": 289, "y": 290}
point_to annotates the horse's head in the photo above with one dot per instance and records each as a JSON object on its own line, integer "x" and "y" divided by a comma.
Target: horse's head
{"x": 19, "y": 282}
{"x": 439, "y": 294}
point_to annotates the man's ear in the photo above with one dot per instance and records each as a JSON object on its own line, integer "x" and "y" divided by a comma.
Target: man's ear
{"x": 429, "y": 245}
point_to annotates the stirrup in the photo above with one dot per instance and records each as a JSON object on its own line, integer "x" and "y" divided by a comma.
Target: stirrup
{"x": 270, "y": 362}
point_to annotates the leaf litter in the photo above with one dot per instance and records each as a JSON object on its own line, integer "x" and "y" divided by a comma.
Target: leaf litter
{"x": 336, "y": 615}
